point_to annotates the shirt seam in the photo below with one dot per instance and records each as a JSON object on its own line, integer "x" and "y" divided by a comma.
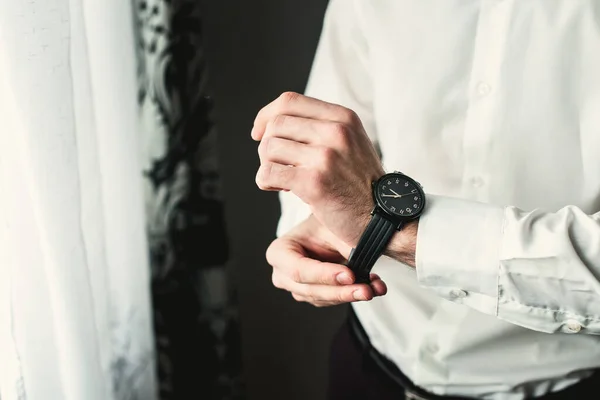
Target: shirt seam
{"x": 499, "y": 266}
{"x": 592, "y": 318}
{"x": 562, "y": 279}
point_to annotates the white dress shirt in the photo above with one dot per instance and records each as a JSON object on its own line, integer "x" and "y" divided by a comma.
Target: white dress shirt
{"x": 494, "y": 106}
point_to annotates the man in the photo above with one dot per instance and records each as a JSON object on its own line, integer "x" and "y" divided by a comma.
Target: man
{"x": 494, "y": 107}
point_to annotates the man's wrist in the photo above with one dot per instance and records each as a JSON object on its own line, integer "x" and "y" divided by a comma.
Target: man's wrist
{"x": 403, "y": 245}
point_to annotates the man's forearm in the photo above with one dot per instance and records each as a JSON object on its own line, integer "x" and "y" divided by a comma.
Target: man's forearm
{"x": 403, "y": 245}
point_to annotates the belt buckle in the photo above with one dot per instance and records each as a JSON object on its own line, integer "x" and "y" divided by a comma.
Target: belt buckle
{"x": 408, "y": 395}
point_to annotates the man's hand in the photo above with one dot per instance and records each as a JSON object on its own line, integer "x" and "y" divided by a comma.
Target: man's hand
{"x": 306, "y": 262}
{"x": 321, "y": 152}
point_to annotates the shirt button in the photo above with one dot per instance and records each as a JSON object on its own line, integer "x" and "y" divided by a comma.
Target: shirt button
{"x": 432, "y": 348}
{"x": 458, "y": 294}
{"x": 477, "y": 181}
{"x": 483, "y": 89}
{"x": 573, "y": 326}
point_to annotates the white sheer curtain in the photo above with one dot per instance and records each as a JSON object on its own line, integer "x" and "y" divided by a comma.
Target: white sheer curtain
{"x": 75, "y": 318}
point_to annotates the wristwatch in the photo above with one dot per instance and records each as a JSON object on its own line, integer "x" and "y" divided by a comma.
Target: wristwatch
{"x": 398, "y": 199}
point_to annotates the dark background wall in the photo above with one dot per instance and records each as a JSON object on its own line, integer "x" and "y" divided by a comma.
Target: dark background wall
{"x": 256, "y": 50}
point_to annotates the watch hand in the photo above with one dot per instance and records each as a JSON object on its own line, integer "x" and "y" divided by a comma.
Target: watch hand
{"x": 407, "y": 194}
{"x": 395, "y": 193}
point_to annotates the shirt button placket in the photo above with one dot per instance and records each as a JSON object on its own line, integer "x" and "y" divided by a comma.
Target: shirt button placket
{"x": 477, "y": 182}
{"x": 483, "y": 89}
{"x": 486, "y": 74}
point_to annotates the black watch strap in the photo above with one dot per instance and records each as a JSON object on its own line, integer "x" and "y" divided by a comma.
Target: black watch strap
{"x": 371, "y": 246}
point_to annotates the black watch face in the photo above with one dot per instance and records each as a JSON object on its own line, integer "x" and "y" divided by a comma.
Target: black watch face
{"x": 399, "y": 195}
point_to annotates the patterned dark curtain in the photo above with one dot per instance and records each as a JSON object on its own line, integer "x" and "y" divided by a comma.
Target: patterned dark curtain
{"x": 196, "y": 322}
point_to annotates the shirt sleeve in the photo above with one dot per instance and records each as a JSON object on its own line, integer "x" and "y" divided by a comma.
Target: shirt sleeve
{"x": 339, "y": 75}
{"x": 536, "y": 269}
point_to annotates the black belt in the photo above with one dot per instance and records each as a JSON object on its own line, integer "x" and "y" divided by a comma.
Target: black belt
{"x": 413, "y": 392}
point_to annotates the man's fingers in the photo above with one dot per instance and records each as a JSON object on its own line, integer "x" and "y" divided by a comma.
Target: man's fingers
{"x": 316, "y": 282}
{"x": 290, "y": 261}
{"x": 316, "y": 303}
{"x": 299, "y": 129}
{"x": 273, "y": 176}
{"x": 319, "y": 302}
{"x": 306, "y": 130}
{"x": 335, "y": 294}
{"x": 285, "y": 152}
{"x": 297, "y": 297}
{"x": 294, "y": 104}
{"x": 325, "y": 294}
{"x": 379, "y": 287}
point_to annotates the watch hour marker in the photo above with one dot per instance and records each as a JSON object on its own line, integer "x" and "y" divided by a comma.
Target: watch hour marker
{"x": 393, "y": 208}
{"x": 416, "y": 198}
{"x": 405, "y": 183}
{"x": 415, "y": 205}
{"x": 408, "y": 209}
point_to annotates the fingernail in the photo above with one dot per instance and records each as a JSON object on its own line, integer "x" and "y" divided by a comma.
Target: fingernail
{"x": 358, "y": 295}
{"x": 253, "y": 132}
{"x": 343, "y": 278}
